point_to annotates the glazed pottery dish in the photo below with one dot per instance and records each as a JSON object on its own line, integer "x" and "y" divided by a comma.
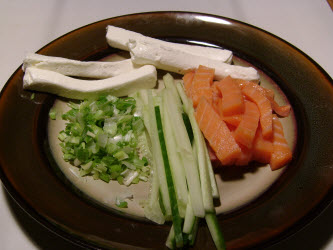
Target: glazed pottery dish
{"x": 258, "y": 207}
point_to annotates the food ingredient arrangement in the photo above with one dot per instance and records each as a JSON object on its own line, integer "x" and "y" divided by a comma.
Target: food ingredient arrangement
{"x": 125, "y": 129}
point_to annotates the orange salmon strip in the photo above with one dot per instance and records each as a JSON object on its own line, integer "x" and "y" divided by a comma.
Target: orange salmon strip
{"x": 216, "y": 96}
{"x": 281, "y": 151}
{"x": 262, "y": 148}
{"x": 283, "y": 111}
{"x": 232, "y": 97}
{"x": 246, "y": 130}
{"x": 232, "y": 120}
{"x": 201, "y": 84}
{"x": 264, "y": 106}
{"x": 245, "y": 157}
{"x": 188, "y": 79}
{"x": 217, "y": 133}
{"x": 216, "y": 92}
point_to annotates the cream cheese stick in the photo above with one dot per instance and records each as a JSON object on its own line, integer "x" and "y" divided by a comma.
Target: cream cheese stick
{"x": 119, "y": 38}
{"x": 121, "y": 85}
{"x": 70, "y": 67}
{"x": 144, "y": 52}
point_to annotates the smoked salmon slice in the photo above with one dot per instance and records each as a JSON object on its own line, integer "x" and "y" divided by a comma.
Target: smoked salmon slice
{"x": 216, "y": 100}
{"x": 252, "y": 93}
{"x": 283, "y": 111}
{"x": 232, "y": 120}
{"x": 262, "y": 148}
{"x": 246, "y": 130}
{"x": 216, "y": 92}
{"x": 281, "y": 152}
{"x": 217, "y": 133}
{"x": 201, "y": 84}
{"x": 245, "y": 156}
{"x": 232, "y": 97}
{"x": 188, "y": 79}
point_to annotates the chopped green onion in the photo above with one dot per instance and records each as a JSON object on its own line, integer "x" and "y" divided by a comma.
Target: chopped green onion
{"x": 120, "y": 180}
{"x": 110, "y": 126}
{"x": 106, "y": 139}
{"x": 130, "y": 176}
{"x": 52, "y": 113}
{"x": 105, "y": 177}
{"x": 62, "y": 136}
{"x": 129, "y": 165}
{"x": 121, "y": 155}
{"x": 121, "y": 203}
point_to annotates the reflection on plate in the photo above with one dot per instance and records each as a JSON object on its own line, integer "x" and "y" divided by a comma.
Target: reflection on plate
{"x": 287, "y": 202}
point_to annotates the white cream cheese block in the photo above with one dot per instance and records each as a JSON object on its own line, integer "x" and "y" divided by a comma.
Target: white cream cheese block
{"x": 70, "y": 67}
{"x": 172, "y": 59}
{"x": 61, "y": 85}
{"x": 119, "y": 38}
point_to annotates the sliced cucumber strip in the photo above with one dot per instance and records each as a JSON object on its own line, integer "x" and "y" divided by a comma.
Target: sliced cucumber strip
{"x": 176, "y": 219}
{"x": 189, "y": 219}
{"x": 215, "y": 231}
{"x": 158, "y": 157}
{"x": 186, "y": 154}
{"x": 170, "y": 242}
{"x": 206, "y": 187}
{"x": 193, "y": 234}
{"x": 170, "y": 84}
{"x": 176, "y": 165}
{"x": 215, "y": 190}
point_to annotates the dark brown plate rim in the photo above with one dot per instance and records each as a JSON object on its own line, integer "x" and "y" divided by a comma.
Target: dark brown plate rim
{"x": 293, "y": 181}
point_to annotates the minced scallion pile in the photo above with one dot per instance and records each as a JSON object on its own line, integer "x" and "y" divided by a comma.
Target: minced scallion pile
{"x": 106, "y": 139}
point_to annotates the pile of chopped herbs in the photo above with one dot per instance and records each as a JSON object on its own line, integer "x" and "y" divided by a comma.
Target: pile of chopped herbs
{"x": 106, "y": 139}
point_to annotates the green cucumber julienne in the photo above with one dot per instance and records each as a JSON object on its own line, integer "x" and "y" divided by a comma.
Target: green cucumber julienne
{"x": 215, "y": 230}
{"x": 158, "y": 157}
{"x": 176, "y": 219}
{"x": 176, "y": 165}
{"x": 186, "y": 154}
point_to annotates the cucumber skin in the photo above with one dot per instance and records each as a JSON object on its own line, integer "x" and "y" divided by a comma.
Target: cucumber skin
{"x": 188, "y": 127}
